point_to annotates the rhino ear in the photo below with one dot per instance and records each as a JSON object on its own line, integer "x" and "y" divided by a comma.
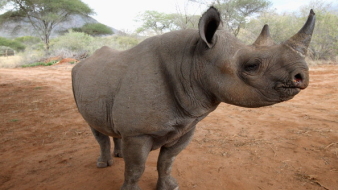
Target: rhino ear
{"x": 208, "y": 25}
{"x": 264, "y": 39}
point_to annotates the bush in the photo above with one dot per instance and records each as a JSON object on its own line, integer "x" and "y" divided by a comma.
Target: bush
{"x": 78, "y": 45}
{"x": 95, "y": 29}
{"x": 28, "y": 40}
{"x": 125, "y": 42}
{"x": 72, "y": 41}
{"x": 39, "y": 64}
{"x": 17, "y": 46}
{"x": 6, "y": 51}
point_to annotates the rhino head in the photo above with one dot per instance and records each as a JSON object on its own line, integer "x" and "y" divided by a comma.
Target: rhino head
{"x": 256, "y": 75}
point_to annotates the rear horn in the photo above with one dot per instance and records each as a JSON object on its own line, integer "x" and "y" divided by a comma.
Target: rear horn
{"x": 264, "y": 38}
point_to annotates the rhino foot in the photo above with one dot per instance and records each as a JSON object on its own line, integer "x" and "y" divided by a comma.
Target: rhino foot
{"x": 104, "y": 164}
{"x": 118, "y": 153}
{"x": 130, "y": 187}
{"x": 167, "y": 183}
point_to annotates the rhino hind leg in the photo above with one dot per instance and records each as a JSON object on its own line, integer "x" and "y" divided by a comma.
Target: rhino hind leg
{"x": 117, "y": 148}
{"x": 166, "y": 159}
{"x": 105, "y": 158}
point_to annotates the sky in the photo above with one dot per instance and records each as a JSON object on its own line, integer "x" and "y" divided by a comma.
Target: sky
{"x": 121, "y": 14}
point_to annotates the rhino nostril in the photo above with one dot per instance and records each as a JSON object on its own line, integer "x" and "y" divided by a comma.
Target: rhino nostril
{"x": 298, "y": 78}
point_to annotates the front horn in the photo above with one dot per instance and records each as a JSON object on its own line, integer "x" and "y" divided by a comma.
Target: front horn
{"x": 300, "y": 41}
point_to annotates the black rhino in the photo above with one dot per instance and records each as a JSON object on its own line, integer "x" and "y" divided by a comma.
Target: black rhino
{"x": 153, "y": 95}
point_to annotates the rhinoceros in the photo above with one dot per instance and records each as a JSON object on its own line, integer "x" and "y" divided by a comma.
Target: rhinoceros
{"x": 153, "y": 95}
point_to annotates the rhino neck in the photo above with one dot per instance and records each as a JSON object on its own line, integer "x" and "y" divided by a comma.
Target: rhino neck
{"x": 177, "y": 59}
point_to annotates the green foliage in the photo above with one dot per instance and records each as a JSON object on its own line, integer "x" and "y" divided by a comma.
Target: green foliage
{"x": 17, "y": 46}
{"x": 2, "y": 4}
{"x": 324, "y": 43}
{"x": 95, "y": 29}
{"x": 125, "y": 42}
{"x": 235, "y": 12}
{"x": 6, "y": 51}
{"x": 78, "y": 42}
{"x": 73, "y": 41}
{"x": 234, "y": 15}
{"x": 11, "y": 15}
{"x": 154, "y": 22}
{"x": 28, "y": 40}
{"x": 44, "y": 15}
{"x": 39, "y": 64}
{"x": 279, "y": 25}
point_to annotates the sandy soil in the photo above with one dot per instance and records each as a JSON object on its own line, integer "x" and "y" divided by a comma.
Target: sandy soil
{"x": 45, "y": 143}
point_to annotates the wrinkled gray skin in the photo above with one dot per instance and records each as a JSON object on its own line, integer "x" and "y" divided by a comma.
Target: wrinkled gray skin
{"x": 153, "y": 95}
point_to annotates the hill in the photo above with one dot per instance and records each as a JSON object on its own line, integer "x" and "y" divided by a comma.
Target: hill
{"x": 22, "y": 27}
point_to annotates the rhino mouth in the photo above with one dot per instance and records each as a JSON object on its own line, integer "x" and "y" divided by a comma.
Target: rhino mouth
{"x": 287, "y": 92}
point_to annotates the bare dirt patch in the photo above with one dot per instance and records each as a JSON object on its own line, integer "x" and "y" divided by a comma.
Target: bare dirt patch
{"x": 45, "y": 143}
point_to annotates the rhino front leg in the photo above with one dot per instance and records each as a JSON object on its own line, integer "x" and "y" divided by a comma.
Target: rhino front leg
{"x": 135, "y": 152}
{"x": 117, "y": 147}
{"x": 165, "y": 161}
{"x": 105, "y": 158}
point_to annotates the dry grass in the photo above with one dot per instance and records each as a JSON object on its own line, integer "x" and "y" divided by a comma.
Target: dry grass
{"x": 10, "y": 61}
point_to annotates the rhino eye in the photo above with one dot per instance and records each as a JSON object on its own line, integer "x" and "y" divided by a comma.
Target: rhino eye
{"x": 251, "y": 66}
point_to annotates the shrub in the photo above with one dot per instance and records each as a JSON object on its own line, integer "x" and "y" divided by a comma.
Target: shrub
{"x": 17, "y": 46}
{"x": 126, "y": 42}
{"x": 28, "y": 40}
{"x": 72, "y": 42}
{"x": 95, "y": 29}
{"x": 39, "y": 64}
{"x": 6, "y": 51}
{"x": 79, "y": 45}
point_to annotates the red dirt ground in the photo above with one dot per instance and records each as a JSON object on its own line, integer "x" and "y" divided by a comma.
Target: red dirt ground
{"x": 45, "y": 143}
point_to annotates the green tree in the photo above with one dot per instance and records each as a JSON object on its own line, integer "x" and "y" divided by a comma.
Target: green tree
{"x": 325, "y": 40}
{"x": 45, "y": 15}
{"x": 158, "y": 23}
{"x": 95, "y": 29}
{"x": 12, "y": 44}
{"x": 282, "y": 26}
{"x": 235, "y": 13}
{"x": 2, "y": 4}
{"x": 324, "y": 43}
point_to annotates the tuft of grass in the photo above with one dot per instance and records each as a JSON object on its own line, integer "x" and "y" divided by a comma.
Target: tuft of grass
{"x": 10, "y": 61}
{"x": 14, "y": 120}
{"x": 40, "y": 64}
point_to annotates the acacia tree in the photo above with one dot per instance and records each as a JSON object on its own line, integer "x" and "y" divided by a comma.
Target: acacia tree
{"x": 95, "y": 29}
{"x": 45, "y": 15}
{"x": 235, "y": 12}
{"x": 158, "y": 22}
{"x": 2, "y": 4}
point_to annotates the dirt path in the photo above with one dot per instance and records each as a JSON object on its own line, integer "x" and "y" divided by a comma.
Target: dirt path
{"x": 45, "y": 144}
